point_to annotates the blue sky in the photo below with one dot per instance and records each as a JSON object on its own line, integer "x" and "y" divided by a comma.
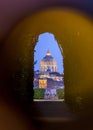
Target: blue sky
{"x": 47, "y": 41}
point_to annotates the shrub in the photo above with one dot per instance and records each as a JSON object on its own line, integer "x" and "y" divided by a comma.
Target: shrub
{"x": 39, "y": 93}
{"x": 60, "y": 93}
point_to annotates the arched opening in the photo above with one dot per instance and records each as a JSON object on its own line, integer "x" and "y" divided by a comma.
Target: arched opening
{"x": 48, "y": 69}
{"x": 75, "y": 31}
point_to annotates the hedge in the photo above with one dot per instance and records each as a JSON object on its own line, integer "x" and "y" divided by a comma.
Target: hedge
{"x": 60, "y": 93}
{"x": 39, "y": 93}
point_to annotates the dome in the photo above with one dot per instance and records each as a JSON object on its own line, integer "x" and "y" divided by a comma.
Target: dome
{"x": 48, "y": 63}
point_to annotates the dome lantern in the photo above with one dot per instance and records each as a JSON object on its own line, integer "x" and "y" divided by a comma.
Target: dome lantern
{"x": 48, "y": 53}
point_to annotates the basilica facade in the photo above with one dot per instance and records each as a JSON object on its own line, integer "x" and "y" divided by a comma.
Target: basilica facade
{"x": 48, "y": 63}
{"x": 48, "y": 76}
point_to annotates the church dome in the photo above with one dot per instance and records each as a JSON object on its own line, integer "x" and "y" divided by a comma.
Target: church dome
{"x": 48, "y": 63}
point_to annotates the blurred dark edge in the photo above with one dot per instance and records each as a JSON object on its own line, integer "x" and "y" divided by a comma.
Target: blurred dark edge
{"x": 85, "y": 6}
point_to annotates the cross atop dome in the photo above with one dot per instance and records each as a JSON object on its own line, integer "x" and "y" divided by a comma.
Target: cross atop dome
{"x": 48, "y": 53}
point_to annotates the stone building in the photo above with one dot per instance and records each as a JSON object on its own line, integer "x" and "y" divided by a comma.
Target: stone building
{"x": 48, "y": 63}
{"x": 48, "y": 76}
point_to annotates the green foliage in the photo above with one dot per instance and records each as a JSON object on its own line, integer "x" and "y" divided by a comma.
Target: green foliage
{"x": 60, "y": 93}
{"x": 39, "y": 93}
{"x": 78, "y": 103}
{"x": 22, "y": 87}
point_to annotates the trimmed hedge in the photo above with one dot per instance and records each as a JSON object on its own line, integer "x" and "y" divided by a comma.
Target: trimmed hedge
{"x": 39, "y": 93}
{"x": 60, "y": 93}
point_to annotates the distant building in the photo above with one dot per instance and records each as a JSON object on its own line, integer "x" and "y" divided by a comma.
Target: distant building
{"x": 48, "y": 76}
{"x": 48, "y": 63}
{"x": 42, "y": 83}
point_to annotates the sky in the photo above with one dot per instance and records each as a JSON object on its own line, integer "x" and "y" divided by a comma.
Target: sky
{"x": 47, "y": 41}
